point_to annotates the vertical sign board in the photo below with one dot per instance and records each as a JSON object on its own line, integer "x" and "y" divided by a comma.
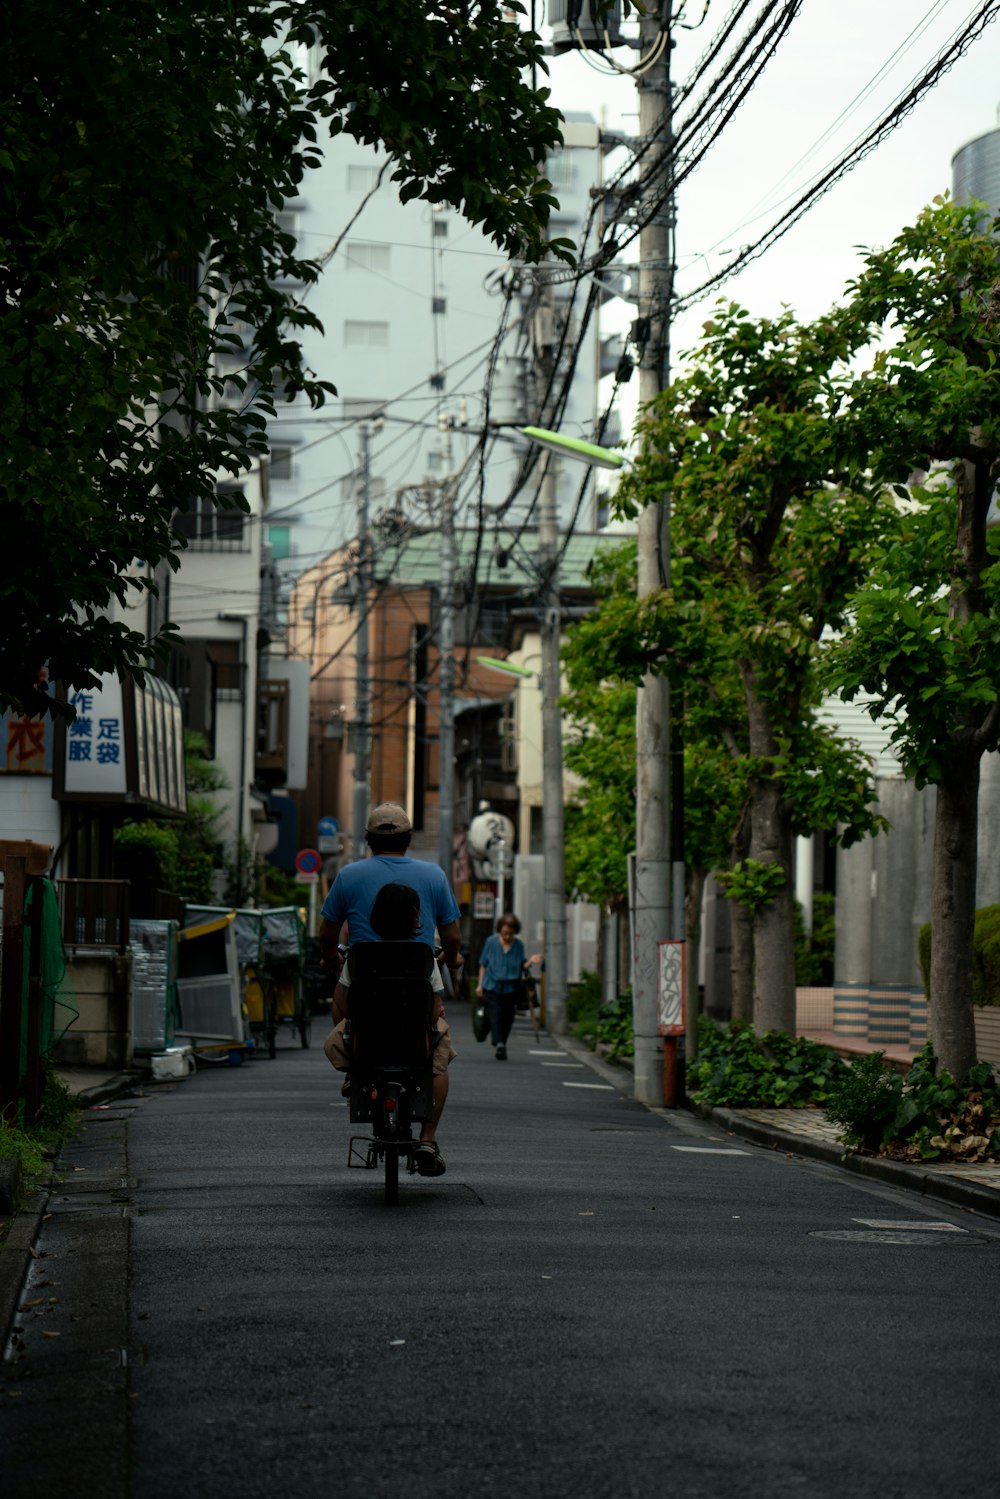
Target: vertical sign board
{"x": 126, "y": 744}
{"x": 672, "y": 990}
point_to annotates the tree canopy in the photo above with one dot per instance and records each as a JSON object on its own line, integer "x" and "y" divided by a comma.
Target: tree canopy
{"x": 923, "y": 639}
{"x": 144, "y": 151}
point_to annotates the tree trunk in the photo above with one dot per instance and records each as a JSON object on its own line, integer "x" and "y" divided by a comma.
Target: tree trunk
{"x": 692, "y": 957}
{"x": 740, "y": 932}
{"x": 953, "y": 916}
{"x": 773, "y": 929}
{"x": 741, "y": 961}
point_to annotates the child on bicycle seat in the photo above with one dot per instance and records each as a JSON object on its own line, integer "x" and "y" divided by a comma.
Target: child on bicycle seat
{"x": 395, "y": 916}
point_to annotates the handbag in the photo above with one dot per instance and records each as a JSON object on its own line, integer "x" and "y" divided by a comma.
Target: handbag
{"x": 480, "y": 1020}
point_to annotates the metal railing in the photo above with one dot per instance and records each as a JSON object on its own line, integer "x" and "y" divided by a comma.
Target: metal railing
{"x": 94, "y": 913}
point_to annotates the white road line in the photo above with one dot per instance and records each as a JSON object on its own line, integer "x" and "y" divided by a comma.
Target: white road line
{"x": 937, "y": 1228}
{"x": 537, "y": 1053}
{"x": 602, "y": 1087}
{"x": 710, "y": 1149}
{"x": 565, "y": 1065}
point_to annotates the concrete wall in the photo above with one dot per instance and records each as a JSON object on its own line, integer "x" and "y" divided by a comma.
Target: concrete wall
{"x": 100, "y": 985}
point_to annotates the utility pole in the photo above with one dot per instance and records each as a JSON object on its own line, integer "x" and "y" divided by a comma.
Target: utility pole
{"x": 553, "y": 829}
{"x": 653, "y": 914}
{"x": 362, "y": 693}
{"x": 446, "y": 665}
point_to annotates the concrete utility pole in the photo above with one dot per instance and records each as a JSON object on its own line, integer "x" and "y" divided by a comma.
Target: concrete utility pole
{"x": 362, "y": 727}
{"x": 446, "y": 665}
{"x": 553, "y": 830}
{"x": 653, "y": 913}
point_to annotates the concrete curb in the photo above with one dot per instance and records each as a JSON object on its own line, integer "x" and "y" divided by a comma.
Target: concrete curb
{"x": 944, "y": 1188}
{"x": 119, "y": 1086}
{"x": 15, "y": 1250}
{"x": 15, "y": 1256}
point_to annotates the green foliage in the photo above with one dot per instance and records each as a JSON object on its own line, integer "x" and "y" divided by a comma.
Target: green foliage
{"x": 865, "y": 1100}
{"x": 147, "y": 854}
{"x": 736, "y": 1068}
{"x": 276, "y": 888}
{"x": 752, "y": 883}
{"x": 35, "y": 1145}
{"x": 985, "y": 957}
{"x": 608, "y": 1026}
{"x": 583, "y": 1002}
{"x": 814, "y": 952}
{"x": 924, "y": 1116}
{"x": 144, "y": 150}
{"x": 615, "y": 1031}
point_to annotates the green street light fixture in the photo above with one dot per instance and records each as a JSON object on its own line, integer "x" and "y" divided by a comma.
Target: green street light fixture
{"x": 496, "y": 664}
{"x": 575, "y": 447}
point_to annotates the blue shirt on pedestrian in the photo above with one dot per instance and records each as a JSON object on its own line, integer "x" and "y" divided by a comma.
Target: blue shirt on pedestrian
{"x": 503, "y": 969}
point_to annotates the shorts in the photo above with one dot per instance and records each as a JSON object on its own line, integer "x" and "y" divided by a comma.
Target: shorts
{"x": 336, "y": 1051}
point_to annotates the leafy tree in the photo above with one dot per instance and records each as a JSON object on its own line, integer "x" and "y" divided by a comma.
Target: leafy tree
{"x": 600, "y": 750}
{"x": 924, "y": 638}
{"x": 768, "y": 540}
{"x": 144, "y": 149}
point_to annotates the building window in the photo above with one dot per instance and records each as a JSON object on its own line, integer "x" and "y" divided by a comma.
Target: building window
{"x": 279, "y": 539}
{"x": 359, "y": 335}
{"x": 361, "y": 179}
{"x": 227, "y": 670}
{"x": 281, "y": 464}
{"x": 561, "y": 168}
{"x": 362, "y": 255}
{"x": 210, "y": 529}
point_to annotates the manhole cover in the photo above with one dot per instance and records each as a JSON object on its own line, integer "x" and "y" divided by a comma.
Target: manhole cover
{"x": 898, "y": 1236}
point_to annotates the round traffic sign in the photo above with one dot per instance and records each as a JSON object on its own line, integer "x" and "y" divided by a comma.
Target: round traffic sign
{"x": 308, "y": 861}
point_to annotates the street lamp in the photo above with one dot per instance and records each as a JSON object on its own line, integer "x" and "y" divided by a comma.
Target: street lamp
{"x": 658, "y": 884}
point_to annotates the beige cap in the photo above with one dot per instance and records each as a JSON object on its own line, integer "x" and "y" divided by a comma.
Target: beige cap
{"x": 388, "y": 817}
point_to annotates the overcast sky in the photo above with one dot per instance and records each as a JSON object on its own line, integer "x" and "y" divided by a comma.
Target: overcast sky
{"x": 839, "y": 70}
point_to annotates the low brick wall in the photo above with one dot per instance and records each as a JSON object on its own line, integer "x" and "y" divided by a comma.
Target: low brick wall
{"x": 100, "y": 986}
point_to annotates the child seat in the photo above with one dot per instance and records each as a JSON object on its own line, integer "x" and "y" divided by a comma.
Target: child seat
{"x": 391, "y": 1004}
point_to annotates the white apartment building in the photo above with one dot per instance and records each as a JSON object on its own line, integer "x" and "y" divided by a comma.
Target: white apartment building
{"x": 411, "y": 299}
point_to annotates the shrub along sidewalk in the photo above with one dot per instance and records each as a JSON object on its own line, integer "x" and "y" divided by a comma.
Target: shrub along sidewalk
{"x": 923, "y": 1116}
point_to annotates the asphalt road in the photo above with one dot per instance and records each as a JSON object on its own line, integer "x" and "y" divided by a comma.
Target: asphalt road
{"x": 594, "y": 1301}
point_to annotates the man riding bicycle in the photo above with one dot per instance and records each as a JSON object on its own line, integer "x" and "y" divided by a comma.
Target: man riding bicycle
{"x": 351, "y": 898}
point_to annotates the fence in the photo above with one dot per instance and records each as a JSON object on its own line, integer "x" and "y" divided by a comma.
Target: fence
{"x": 94, "y": 913}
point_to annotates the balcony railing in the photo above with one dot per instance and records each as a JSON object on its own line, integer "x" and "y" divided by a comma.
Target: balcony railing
{"x": 94, "y": 913}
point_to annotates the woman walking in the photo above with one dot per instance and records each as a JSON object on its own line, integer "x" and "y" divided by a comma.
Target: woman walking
{"x": 501, "y": 965}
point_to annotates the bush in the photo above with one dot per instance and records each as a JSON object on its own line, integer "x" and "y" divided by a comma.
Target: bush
{"x": 924, "y": 1116}
{"x": 814, "y": 952}
{"x": 146, "y": 853}
{"x": 738, "y": 1069}
{"x": 34, "y": 1145}
{"x": 865, "y": 1101}
{"x": 615, "y": 1028}
{"x": 985, "y": 957}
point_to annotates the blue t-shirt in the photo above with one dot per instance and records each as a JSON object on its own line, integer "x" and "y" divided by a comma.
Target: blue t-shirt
{"x": 503, "y": 969}
{"x": 353, "y": 893}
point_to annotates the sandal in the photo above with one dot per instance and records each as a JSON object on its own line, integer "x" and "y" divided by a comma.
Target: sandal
{"x": 428, "y": 1160}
